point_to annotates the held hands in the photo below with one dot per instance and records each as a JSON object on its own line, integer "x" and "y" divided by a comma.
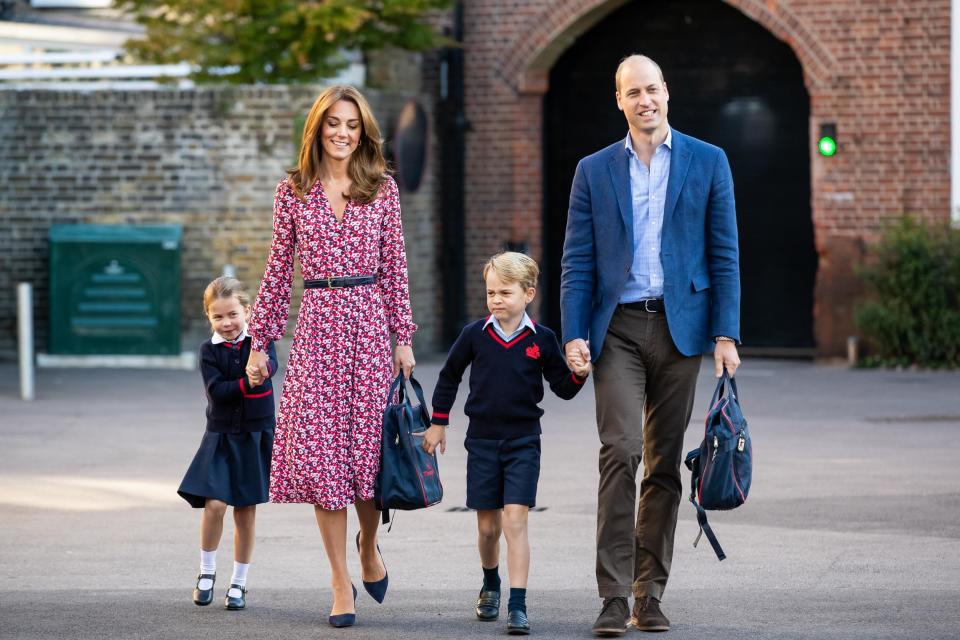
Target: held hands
{"x": 257, "y": 368}
{"x": 435, "y": 436}
{"x": 725, "y": 355}
{"x": 403, "y": 359}
{"x": 578, "y": 357}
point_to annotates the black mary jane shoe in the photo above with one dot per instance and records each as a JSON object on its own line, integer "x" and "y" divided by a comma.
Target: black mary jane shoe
{"x": 488, "y": 605}
{"x": 345, "y": 619}
{"x": 203, "y": 597}
{"x": 378, "y": 588}
{"x": 235, "y": 604}
{"x": 517, "y": 623}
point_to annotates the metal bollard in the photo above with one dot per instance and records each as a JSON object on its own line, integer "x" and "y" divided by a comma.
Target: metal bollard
{"x": 853, "y": 351}
{"x": 25, "y": 335}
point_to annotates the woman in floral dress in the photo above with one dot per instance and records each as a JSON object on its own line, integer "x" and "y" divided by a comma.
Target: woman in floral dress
{"x": 339, "y": 212}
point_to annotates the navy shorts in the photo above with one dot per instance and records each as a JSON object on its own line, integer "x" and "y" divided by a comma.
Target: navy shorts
{"x": 502, "y": 472}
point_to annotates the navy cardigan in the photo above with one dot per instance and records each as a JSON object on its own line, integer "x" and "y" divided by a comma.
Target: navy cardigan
{"x": 233, "y": 404}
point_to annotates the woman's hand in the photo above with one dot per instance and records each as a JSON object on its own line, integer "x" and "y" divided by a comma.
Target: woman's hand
{"x": 435, "y": 436}
{"x": 403, "y": 359}
{"x": 257, "y": 369}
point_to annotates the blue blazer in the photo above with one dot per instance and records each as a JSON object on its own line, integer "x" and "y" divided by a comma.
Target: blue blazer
{"x": 698, "y": 249}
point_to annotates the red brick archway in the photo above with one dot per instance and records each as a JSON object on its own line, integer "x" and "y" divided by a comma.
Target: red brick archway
{"x": 546, "y": 35}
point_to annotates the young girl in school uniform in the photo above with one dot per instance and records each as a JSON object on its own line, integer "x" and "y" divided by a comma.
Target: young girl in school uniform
{"x": 232, "y": 465}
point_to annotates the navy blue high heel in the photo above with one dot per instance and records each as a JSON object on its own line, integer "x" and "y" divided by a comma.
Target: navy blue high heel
{"x": 378, "y": 589}
{"x": 345, "y": 619}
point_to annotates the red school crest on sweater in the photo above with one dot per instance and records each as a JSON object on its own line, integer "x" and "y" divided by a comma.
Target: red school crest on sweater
{"x": 533, "y": 351}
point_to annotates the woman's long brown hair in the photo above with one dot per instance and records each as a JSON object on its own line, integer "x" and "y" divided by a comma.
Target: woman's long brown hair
{"x": 367, "y": 168}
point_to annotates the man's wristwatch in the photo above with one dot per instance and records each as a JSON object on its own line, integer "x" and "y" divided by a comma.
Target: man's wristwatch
{"x": 723, "y": 339}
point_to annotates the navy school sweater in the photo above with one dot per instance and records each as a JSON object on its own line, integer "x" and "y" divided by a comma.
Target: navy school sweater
{"x": 233, "y": 404}
{"x": 506, "y": 380}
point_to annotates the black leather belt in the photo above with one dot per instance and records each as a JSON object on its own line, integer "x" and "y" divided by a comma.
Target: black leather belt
{"x": 339, "y": 283}
{"x": 650, "y": 305}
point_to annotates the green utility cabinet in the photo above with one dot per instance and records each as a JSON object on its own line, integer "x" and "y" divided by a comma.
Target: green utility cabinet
{"x": 115, "y": 289}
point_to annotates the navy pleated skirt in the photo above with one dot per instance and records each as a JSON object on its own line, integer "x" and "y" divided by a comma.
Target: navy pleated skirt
{"x": 232, "y": 467}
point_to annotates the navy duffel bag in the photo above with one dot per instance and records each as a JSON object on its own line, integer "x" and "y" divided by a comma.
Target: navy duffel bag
{"x": 723, "y": 464}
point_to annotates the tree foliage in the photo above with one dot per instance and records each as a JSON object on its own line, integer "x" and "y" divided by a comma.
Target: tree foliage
{"x": 275, "y": 41}
{"x": 913, "y": 316}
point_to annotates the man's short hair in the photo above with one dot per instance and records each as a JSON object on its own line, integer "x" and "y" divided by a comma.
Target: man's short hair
{"x": 511, "y": 267}
{"x": 632, "y": 58}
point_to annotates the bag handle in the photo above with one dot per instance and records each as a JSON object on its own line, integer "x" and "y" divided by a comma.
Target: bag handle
{"x": 399, "y": 388}
{"x": 722, "y": 387}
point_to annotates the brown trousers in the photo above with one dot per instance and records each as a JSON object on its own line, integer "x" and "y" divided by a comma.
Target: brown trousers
{"x": 640, "y": 368}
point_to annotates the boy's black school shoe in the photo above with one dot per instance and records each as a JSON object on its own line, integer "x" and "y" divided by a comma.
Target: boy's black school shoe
{"x": 203, "y": 597}
{"x": 488, "y": 605}
{"x": 517, "y": 623}
{"x": 235, "y": 604}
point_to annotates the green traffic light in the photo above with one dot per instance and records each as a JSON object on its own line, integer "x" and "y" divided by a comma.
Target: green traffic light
{"x": 827, "y": 146}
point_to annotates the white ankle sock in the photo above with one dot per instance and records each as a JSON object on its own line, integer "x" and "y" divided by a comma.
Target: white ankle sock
{"x": 239, "y": 578}
{"x": 240, "y": 573}
{"x": 208, "y": 565}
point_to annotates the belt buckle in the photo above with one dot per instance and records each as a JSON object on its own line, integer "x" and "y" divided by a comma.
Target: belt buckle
{"x": 646, "y": 305}
{"x": 330, "y": 284}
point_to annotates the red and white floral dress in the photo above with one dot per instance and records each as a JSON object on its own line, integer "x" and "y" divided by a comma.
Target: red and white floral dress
{"x": 327, "y": 441}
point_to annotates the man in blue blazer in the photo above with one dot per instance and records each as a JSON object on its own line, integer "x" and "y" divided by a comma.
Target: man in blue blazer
{"x": 650, "y": 281}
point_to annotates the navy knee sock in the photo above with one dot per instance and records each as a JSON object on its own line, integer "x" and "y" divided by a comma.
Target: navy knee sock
{"x": 491, "y": 578}
{"x": 518, "y": 600}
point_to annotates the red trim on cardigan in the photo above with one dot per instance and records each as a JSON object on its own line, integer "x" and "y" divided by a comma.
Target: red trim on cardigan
{"x": 506, "y": 345}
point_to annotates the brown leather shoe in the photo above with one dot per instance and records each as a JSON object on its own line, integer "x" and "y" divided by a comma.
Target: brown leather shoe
{"x": 647, "y": 615}
{"x": 612, "y": 620}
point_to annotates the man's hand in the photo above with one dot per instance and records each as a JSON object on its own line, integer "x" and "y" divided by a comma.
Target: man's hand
{"x": 725, "y": 355}
{"x": 583, "y": 370}
{"x": 403, "y": 359}
{"x": 578, "y": 356}
{"x": 258, "y": 368}
{"x": 579, "y": 366}
{"x": 433, "y": 437}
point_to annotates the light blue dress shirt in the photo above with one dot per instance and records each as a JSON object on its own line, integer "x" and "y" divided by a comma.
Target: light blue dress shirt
{"x": 648, "y": 190}
{"x": 525, "y": 323}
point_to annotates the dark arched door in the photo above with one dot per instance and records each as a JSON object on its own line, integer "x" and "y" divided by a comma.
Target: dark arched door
{"x": 732, "y": 84}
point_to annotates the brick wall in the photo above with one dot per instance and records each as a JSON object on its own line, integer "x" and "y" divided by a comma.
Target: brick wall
{"x": 208, "y": 159}
{"x": 878, "y": 68}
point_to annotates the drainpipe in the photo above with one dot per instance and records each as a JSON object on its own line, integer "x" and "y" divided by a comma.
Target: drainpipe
{"x": 955, "y": 113}
{"x": 453, "y": 127}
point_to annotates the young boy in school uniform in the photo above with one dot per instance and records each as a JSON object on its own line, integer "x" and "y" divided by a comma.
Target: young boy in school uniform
{"x": 509, "y": 356}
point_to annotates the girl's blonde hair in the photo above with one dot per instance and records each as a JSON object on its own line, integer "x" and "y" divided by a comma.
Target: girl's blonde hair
{"x": 511, "y": 267}
{"x": 367, "y": 168}
{"x": 225, "y": 287}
